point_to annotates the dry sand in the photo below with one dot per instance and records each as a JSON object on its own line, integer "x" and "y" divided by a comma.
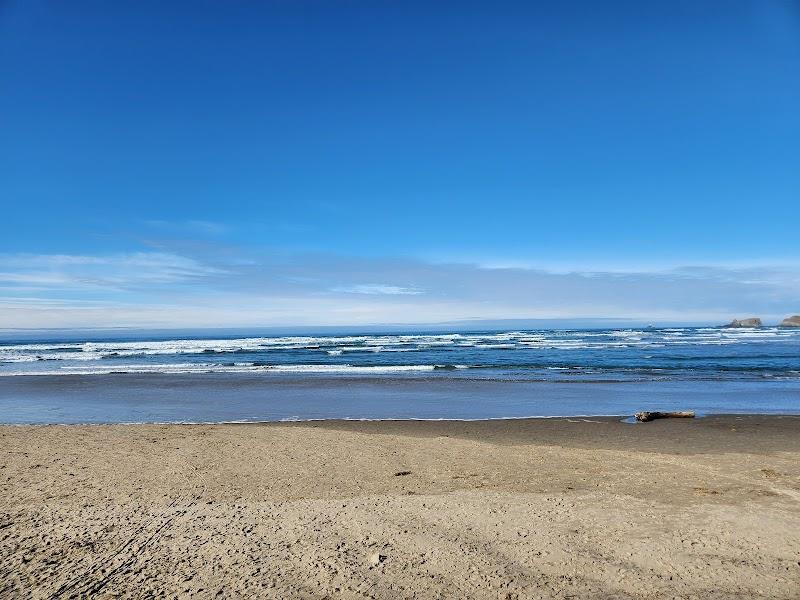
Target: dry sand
{"x": 562, "y": 508}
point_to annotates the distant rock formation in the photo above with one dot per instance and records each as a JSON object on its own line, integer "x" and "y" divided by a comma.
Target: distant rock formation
{"x": 751, "y": 322}
{"x": 793, "y": 321}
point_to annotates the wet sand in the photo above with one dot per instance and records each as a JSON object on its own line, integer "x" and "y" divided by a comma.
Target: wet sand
{"x": 552, "y": 508}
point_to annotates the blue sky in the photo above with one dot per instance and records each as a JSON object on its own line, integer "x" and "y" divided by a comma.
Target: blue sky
{"x": 279, "y": 163}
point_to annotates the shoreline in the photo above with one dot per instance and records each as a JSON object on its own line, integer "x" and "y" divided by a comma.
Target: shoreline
{"x": 218, "y": 399}
{"x": 622, "y": 418}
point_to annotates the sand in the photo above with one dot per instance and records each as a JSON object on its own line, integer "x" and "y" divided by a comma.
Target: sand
{"x": 561, "y": 508}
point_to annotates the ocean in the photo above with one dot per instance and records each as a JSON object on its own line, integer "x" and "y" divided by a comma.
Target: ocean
{"x": 441, "y": 375}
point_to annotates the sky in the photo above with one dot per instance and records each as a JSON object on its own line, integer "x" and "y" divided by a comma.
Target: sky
{"x": 232, "y": 163}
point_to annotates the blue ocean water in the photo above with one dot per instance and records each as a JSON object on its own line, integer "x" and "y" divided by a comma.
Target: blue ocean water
{"x": 460, "y": 375}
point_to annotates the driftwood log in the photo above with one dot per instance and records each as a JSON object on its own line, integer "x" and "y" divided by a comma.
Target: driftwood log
{"x": 652, "y": 416}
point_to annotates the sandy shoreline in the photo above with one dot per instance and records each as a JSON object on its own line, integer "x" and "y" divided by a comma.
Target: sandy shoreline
{"x": 544, "y": 508}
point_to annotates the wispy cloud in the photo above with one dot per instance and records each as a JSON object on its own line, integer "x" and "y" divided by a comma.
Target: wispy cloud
{"x": 377, "y": 289}
{"x": 169, "y": 288}
{"x": 116, "y": 271}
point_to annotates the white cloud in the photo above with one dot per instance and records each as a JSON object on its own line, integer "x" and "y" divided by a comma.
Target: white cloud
{"x": 167, "y": 289}
{"x": 377, "y": 289}
{"x": 115, "y": 271}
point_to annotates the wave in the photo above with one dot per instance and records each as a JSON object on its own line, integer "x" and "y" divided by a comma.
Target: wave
{"x": 681, "y": 352}
{"x": 395, "y": 343}
{"x": 246, "y": 367}
{"x": 540, "y": 372}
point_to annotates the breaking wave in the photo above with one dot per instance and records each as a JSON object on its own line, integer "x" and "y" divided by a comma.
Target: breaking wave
{"x": 675, "y": 353}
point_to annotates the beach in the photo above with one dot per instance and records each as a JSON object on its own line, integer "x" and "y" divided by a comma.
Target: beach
{"x": 582, "y": 507}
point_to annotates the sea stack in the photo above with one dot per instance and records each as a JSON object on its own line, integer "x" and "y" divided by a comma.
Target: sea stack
{"x": 751, "y": 322}
{"x": 793, "y": 321}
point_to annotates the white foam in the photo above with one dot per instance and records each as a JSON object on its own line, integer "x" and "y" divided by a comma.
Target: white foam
{"x": 44, "y": 357}
{"x": 182, "y": 368}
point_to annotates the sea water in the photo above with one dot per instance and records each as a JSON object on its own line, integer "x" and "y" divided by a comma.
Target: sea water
{"x": 441, "y": 375}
